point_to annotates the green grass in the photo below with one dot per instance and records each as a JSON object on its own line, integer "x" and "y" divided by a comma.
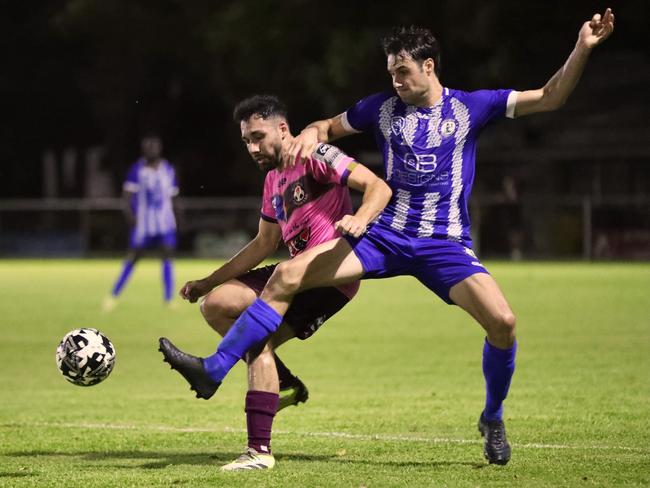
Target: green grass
{"x": 395, "y": 380}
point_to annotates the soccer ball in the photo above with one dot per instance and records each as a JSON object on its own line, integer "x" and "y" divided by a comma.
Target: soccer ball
{"x": 85, "y": 357}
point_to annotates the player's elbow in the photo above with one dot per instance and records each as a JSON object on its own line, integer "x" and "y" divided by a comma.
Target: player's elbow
{"x": 385, "y": 190}
{"x": 551, "y": 101}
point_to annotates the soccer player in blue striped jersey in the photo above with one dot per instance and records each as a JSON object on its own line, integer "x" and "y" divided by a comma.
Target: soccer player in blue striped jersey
{"x": 148, "y": 190}
{"x": 427, "y": 134}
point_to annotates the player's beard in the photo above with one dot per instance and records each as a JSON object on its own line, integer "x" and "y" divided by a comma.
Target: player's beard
{"x": 267, "y": 164}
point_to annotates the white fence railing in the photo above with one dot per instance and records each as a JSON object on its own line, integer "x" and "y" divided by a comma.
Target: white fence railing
{"x": 584, "y": 227}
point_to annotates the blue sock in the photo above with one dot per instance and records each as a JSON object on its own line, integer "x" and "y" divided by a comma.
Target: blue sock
{"x": 168, "y": 278}
{"x": 252, "y": 327}
{"x": 124, "y": 277}
{"x": 498, "y": 368}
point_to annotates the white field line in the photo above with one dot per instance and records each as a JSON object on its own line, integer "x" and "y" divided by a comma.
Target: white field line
{"x": 341, "y": 435}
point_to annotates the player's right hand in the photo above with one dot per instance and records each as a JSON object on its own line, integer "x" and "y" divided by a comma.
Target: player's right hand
{"x": 301, "y": 148}
{"x": 193, "y": 290}
{"x": 351, "y": 225}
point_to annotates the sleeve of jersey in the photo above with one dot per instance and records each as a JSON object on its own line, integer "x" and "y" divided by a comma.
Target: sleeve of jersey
{"x": 132, "y": 183}
{"x": 268, "y": 212}
{"x": 363, "y": 115}
{"x": 331, "y": 165}
{"x": 490, "y": 105}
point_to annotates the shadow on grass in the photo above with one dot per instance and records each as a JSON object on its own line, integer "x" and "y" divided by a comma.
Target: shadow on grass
{"x": 14, "y": 474}
{"x": 159, "y": 460}
{"x": 403, "y": 464}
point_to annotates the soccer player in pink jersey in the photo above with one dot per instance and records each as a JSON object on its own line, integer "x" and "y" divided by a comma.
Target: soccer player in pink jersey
{"x": 304, "y": 205}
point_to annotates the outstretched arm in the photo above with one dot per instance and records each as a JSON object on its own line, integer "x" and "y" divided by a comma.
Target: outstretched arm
{"x": 557, "y": 90}
{"x": 305, "y": 143}
{"x": 262, "y": 246}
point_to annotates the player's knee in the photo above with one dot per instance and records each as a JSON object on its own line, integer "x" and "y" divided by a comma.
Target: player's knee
{"x": 506, "y": 323}
{"x": 285, "y": 280}
{"x": 216, "y": 307}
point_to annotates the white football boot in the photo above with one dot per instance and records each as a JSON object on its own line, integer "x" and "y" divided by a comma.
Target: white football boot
{"x": 250, "y": 459}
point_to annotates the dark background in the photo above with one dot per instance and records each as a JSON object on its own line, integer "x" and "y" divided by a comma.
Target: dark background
{"x": 83, "y": 80}
{"x": 82, "y": 73}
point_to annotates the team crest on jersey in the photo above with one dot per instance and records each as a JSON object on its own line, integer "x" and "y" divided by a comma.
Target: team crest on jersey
{"x": 448, "y": 127}
{"x": 397, "y": 125}
{"x": 298, "y": 194}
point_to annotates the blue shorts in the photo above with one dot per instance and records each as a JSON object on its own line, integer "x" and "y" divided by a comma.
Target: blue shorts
{"x": 438, "y": 264}
{"x": 159, "y": 240}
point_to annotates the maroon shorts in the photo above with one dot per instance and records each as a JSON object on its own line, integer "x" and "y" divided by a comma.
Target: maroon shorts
{"x": 309, "y": 309}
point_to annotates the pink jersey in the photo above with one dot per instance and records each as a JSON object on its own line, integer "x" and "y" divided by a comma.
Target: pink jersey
{"x": 308, "y": 199}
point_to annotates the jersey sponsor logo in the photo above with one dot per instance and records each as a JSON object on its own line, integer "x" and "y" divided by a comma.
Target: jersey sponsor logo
{"x": 448, "y": 127}
{"x": 298, "y": 243}
{"x": 397, "y": 125}
{"x": 418, "y": 169}
{"x": 425, "y": 163}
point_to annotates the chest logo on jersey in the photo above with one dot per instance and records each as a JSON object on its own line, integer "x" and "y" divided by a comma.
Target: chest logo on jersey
{"x": 424, "y": 163}
{"x": 397, "y": 125}
{"x": 448, "y": 127}
{"x": 298, "y": 193}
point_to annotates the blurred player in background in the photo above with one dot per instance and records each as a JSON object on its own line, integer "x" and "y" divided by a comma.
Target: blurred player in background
{"x": 303, "y": 205}
{"x": 428, "y": 135}
{"x": 148, "y": 193}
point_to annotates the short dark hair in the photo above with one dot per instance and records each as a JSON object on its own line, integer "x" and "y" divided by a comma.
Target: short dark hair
{"x": 417, "y": 42}
{"x": 263, "y": 105}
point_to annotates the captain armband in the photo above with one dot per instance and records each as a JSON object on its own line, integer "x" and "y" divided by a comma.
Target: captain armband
{"x": 332, "y": 156}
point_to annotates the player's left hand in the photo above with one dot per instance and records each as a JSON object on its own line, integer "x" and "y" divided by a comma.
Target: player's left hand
{"x": 597, "y": 29}
{"x": 351, "y": 226}
{"x": 301, "y": 148}
{"x": 193, "y": 290}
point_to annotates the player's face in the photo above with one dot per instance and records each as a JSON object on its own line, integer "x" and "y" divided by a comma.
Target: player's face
{"x": 263, "y": 139}
{"x": 411, "y": 79}
{"x": 151, "y": 148}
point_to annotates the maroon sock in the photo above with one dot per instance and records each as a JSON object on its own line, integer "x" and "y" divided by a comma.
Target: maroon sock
{"x": 261, "y": 407}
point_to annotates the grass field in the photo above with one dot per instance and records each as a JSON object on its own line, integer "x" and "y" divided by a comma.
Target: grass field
{"x": 395, "y": 380}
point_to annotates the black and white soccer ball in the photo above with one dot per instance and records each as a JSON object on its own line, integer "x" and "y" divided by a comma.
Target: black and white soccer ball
{"x": 85, "y": 357}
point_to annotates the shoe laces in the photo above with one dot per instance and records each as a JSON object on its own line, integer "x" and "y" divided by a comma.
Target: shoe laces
{"x": 498, "y": 434}
{"x": 248, "y": 454}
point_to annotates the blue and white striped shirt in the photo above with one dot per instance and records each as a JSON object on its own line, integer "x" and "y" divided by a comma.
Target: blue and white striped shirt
{"x": 429, "y": 156}
{"x": 153, "y": 189}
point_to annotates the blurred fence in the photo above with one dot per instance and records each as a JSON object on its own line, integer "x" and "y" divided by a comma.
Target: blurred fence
{"x": 613, "y": 227}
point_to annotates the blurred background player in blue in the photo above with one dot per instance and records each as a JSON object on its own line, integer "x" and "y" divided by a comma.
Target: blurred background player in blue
{"x": 148, "y": 191}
